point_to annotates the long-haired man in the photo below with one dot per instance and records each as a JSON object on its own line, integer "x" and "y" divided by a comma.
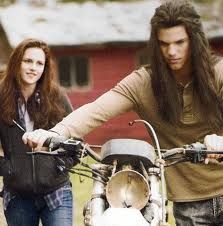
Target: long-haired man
{"x": 180, "y": 93}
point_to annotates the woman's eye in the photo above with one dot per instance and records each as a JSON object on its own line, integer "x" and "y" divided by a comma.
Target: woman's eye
{"x": 27, "y": 61}
{"x": 40, "y": 63}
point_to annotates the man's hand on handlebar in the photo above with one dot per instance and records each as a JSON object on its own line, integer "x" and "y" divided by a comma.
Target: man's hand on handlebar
{"x": 215, "y": 143}
{"x": 36, "y": 138}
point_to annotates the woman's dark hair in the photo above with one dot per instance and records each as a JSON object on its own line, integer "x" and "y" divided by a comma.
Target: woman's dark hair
{"x": 44, "y": 106}
{"x": 173, "y": 13}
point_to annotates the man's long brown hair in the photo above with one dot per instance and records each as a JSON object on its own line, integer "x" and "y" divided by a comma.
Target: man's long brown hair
{"x": 174, "y": 13}
{"x": 44, "y": 106}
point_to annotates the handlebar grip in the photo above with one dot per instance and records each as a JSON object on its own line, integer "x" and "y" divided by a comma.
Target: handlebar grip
{"x": 47, "y": 142}
{"x": 53, "y": 142}
{"x": 198, "y": 146}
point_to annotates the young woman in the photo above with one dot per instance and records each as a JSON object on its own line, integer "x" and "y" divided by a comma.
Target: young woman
{"x": 34, "y": 188}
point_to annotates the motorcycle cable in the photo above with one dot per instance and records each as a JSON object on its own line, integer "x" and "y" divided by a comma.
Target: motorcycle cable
{"x": 161, "y": 166}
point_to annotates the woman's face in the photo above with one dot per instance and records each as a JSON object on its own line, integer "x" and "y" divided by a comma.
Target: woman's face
{"x": 32, "y": 66}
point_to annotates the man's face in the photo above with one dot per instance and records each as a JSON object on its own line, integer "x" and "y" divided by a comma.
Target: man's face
{"x": 175, "y": 47}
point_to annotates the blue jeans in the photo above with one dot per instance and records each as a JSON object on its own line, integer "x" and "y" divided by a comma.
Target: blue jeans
{"x": 29, "y": 211}
{"x": 200, "y": 213}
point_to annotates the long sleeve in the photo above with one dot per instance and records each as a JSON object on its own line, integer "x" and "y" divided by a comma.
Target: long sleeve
{"x": 83, "y": 120}
{"x": 124, "y": 97}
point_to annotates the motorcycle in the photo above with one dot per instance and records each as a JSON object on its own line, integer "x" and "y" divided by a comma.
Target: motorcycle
{"x": 128, "y": 177}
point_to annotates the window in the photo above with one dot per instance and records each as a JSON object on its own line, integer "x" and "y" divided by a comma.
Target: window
{"x": 73, "y": 71}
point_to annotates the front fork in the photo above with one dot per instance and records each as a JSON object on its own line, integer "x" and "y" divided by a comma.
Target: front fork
{"x": 97, "y": 205}
{"x": 155, "y": 198}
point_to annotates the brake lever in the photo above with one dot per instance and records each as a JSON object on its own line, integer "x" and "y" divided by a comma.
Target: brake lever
{"x": 57, "y": 152}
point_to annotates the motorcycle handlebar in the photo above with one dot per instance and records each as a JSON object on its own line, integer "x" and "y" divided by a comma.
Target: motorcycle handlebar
{"x": 195, "y": 153}
{"x": 59, "y": 146}
{"x": 53, "y": 143}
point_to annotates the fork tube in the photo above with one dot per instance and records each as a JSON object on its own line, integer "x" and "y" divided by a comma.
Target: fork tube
{"x": 97, "y": 199}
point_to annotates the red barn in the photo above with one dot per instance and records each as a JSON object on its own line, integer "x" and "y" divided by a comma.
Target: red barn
{"x": 95, "y": 45}
{"x": 106, "y": 66}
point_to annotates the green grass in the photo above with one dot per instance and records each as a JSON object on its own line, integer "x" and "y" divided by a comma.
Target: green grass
{"x": 81, "y": 193}
{"x": 82, "y": 187}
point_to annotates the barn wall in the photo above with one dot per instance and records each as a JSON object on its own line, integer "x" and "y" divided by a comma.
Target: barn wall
{"x": 107, "y": 67}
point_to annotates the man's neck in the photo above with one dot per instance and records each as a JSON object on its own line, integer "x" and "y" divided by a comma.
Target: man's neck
{"x": 183, "y": 76}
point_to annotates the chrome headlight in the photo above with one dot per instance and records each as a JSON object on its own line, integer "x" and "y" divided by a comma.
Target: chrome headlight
{"x": 127, "y": 188}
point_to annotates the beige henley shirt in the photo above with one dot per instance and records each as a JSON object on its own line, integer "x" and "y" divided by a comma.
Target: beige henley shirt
{"x": 185, "y": 181}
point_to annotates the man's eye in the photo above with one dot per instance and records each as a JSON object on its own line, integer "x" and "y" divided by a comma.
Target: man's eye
{"x": 163, "y": 44}
{"x": 180, "y": 42}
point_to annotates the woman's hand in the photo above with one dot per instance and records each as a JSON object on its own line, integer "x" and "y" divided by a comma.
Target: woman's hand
{"x": 36, "y": 138}
{"x": 213, "y": 143}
